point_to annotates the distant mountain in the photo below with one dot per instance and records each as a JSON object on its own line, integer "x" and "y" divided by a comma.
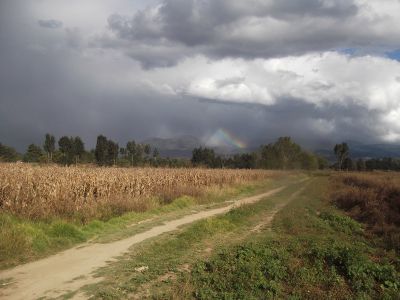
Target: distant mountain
{"x": 359, "y": 150}
{"x": 180, "y": 147}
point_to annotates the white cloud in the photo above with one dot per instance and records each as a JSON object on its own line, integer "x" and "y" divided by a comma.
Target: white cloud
{"x": 325, "y": 80}
{"x": 280, "y": 54}
{"x": 322, "y": 79}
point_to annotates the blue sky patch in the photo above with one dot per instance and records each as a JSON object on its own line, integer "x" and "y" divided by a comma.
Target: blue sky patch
{"x": 394, "y": 54}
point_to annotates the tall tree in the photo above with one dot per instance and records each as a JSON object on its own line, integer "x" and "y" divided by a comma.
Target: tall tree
{"x": 156, "y": 153}
{"x": 78, "y": 148}
{"x": 147, "y": 149}
{"x": 203, "y": 157}
{"x": 66, "y": 147}
{"x": 112, "y": 152}
{"x": 286, "y": 154}
{"x": 101, "y": 151}
{"x": 131, "y": 150}
{"x": 287, "y": 151}
{"x": 49, "y": 146}
{"x": 8, "y": 154}
{"x": 342, "y": 152}
{"x": 139, "y": 152}
{"x": 122, "y": 151}
{"x": 33, "y": 154}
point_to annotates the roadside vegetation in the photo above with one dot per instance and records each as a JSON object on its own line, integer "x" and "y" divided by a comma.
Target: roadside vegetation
{"x": 326, "y": 235}
{"x": 28, "y": 234}
{"x": 374, "y": 200}
{"x": 312, "y": 251}
{"x": 86, "y": 193}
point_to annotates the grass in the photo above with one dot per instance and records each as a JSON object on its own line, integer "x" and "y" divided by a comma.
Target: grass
{"x": 172, "y": 254}
{"x": 25, "y": 240}
{"x": 313, "y": 251}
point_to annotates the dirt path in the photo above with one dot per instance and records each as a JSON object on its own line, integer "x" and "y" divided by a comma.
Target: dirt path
{"x": 267, "y": 221}
{"x": 71, "y": 269}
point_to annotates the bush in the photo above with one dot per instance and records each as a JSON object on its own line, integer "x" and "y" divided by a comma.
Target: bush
{"x": 373, "y": 200}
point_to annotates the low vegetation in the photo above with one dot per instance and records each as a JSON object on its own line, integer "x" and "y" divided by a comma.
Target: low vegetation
{"x": 316, "y": 253}
{"x": 87, "y": 193}
{"x": 53, "y": 208}
{"x": 313, "y": 251}
{"x": 374, "y": 200}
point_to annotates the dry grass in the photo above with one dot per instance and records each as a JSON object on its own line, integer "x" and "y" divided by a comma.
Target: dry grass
{"x": 373, "y": 199}
{"x": 40, "y": 192}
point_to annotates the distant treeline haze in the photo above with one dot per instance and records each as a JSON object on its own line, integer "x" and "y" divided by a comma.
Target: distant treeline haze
{"x": 284, "y": 154}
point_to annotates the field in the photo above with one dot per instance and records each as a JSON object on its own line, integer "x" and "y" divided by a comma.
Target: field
{"x": 374, "y": 200}
{"x": 89, "y": 193}
{"x": 181, "y": 234}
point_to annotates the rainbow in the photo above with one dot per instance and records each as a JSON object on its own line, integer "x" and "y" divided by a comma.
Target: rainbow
{"x": 222, "y": 137}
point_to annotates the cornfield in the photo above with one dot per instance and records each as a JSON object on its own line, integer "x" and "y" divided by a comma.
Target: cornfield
{"x": 39, "y": 192}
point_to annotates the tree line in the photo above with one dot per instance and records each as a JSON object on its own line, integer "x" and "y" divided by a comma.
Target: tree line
{"x": 284, "y": 154}
{"x": 71, "y": 150}
{"x": 346, "y": 163}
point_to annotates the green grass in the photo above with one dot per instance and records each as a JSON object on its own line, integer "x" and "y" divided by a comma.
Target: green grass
{"x": 25, "y": 240}
{"x": 313, "y": 251}
{"x": 167, "y": 256}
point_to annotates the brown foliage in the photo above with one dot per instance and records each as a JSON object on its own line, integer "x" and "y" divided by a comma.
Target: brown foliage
{"x": 39, "y": 192}
{"x": 373, "y": 199}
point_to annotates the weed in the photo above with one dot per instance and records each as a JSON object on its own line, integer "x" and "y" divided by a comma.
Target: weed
{"x": 373, "y": 199}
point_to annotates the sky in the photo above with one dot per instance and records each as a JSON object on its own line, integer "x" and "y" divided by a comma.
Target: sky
{"x": 321, "y": 71}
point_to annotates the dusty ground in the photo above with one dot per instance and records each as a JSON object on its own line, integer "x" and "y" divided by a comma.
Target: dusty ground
{"x": 72, "y": 269}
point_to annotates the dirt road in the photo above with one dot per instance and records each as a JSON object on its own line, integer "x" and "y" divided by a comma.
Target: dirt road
{"x": 72, "y": 269}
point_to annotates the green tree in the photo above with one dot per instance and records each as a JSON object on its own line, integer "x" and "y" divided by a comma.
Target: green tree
{"x": 33, "y": 154}
{"x": 349, "y": 164}
{"x": 131, "y": 150}
{"x": 342, "y": 152}
{"x": 361, "y": 165}
{"x": 8, "y": 154}
{"x": 308, "y": 161}
{"x": 112, "y": 152}
{"x": 49, "y": 146}
{"x": 147, "y": 149}
{"x": 269, "y": 157}
{"x": 66, "y": 147}
{"x": 101, "y": 151}
{"x": 287, "y": 152}
{"x": 203, "y": 157}
{"x": 322, "y": 163}
{"x": 156, "y": 154}
{"x": 122, "y": 151}
{"x": 78, "y": 148}
{"x": 139, "y": 152}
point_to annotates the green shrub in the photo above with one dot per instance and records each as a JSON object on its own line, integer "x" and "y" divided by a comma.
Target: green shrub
{"x": 341, "y": 223}
{"x": 245, "y": 272}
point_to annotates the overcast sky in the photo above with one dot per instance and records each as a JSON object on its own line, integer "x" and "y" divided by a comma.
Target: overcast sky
{"x": 321, "y": 71}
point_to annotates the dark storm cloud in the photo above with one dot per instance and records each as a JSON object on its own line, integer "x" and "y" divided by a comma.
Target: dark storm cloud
{"x": 224, "y": 28}
{"x": 38, "y": 96}
{"x": 51, "y": 24}
{"x": 52, "y": 81}
{"x": 260, "y": 124}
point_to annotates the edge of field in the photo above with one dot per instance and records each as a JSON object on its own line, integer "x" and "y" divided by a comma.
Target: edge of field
{"x": 311, "y": 250}
{"x": 26, "y": 240}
